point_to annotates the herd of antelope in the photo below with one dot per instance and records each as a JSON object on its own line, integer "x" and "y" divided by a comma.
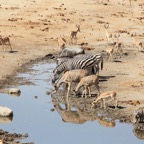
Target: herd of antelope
{"x": 114, "y": 45}
{"x": 117, "y": 46}
{"x": 80, "y": 74}
{"x": 76, "y": 73}
{"x": 85, "y": 80}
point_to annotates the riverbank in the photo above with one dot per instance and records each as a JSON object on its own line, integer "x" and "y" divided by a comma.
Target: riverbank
{"x": 34, "y": 26}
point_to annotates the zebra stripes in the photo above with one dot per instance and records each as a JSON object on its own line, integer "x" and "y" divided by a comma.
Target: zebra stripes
{"x": 84, "y": 62}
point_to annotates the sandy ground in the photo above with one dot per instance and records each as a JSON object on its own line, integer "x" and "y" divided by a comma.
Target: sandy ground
{"x": 34, "y": 27}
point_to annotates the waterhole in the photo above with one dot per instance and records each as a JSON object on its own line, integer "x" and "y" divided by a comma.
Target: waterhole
{"x": 48, "y": 120}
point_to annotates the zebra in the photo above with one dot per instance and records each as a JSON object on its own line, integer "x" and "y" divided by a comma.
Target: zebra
{"x": 78, "y": 63}
{"x": 94, "y": 69}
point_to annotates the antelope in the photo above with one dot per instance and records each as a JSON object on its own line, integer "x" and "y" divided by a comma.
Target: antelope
{"x": 86, "y": 82}
{"x": 109, "y": 51}
{"x": 108, "y": 35}
{"x": 69, "y": 77}
{"x": 73, "y": 34}
{"x": 136, "y": 43}
{"x": 5, "y": 41}
{"x": 118, "y": 45}
{"x": 62, "y": 42}
{"x": 105, "y": 95}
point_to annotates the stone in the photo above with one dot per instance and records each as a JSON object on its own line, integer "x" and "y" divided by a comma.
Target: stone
{"x": 5, "y": 112}
{"x": 14, "y": 91}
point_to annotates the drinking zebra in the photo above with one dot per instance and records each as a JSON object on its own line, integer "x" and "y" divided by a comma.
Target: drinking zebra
{"x": 78, "y": 63}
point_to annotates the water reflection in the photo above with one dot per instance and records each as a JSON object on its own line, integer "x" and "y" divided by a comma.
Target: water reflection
{"x": 15, "y": 95}
{"x": 6, "y": 91}
{"x": 67, "y": 114}
{"x": 78, "y": 111}
{"x": 138, "y": 130}
{"x": 138, "y": 123}
{"x": 5, "y": 120}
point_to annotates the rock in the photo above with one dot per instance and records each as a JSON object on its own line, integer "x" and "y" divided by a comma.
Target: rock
{"x": 5, "y": 112}
{"x": 52, "y": 109}
{"x": 14, "y": 91}
{"x": 71, "y": 51}
{"x": 35, "y": 97}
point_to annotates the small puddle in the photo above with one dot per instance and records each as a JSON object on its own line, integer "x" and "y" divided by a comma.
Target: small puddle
{"x": 34, "y": 114}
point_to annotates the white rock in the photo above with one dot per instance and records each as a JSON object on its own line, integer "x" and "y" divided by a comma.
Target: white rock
{"x": 71, "y": 51}
{"x": 4, "y": 111}
{"x": 14, "y": 91}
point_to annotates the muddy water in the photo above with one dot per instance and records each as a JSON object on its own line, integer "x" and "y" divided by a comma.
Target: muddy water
{"x": 33, "y": 115}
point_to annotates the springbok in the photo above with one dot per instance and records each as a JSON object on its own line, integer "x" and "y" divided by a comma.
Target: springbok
{"x": 86, "y": 82}
{"x": 105, "y": 95}
{"x": 118, "y": 45}
{"x": 73, "y": 34}
{"x": 4, "y": 41}
{"x": 62, "y": 42}
{"x": 109, "y": 51}
{"x": 136, "y": 43}
{"x": 108, "y": 35}
{"x": 69, "y": 77}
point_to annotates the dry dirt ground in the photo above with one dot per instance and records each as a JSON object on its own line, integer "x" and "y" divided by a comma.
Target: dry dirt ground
{"x": 34, "y": 27}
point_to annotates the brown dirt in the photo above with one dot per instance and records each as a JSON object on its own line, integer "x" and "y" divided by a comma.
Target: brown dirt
{"x": 35, "y": 26}
{"x": 11, "y": 138}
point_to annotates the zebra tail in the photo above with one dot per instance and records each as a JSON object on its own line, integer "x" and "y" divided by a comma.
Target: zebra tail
{"x": 101, "y": 63}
